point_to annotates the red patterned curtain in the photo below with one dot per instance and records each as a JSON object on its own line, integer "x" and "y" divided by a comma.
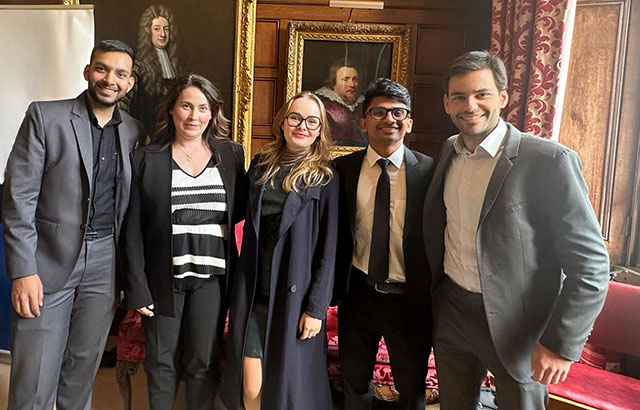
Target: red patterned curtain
{"x": 528, "y": 36}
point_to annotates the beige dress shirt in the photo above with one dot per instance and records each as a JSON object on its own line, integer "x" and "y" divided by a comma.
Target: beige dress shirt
{"x": 365, "y": 205}
{"x": 465, "y": 186}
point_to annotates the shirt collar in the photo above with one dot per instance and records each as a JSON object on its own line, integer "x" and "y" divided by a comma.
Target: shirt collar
{"x": 491, "y": 144}
{"x": 116, "y": 118}
{"x": 396, "y": 158}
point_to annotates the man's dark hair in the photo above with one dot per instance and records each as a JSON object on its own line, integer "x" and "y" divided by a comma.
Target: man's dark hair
{"x": 383, "y": 87}
{"x": 333, "y": 71}
{"x": 475, "y": 61}
{"x": 112, "y": 45}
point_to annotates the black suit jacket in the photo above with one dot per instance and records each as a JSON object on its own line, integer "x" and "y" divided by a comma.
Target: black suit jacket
{"x": 419, "y": 170}
{"x": 146, "y": 241}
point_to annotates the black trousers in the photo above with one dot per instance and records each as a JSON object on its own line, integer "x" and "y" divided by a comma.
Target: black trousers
{"x": 184, "y": 347}
{"x": 363, "y": 318}
{"x": 464, "y": 351}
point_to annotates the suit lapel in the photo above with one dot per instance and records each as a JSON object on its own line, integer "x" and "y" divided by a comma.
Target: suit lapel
{"x": 411, "y": 168}
{"x": 503, "y": 166}
{"x": 351, "y": 177}
{"x": 255, "y": 198}
{"x": 82, "y": 132}
{"x": 224, "y": 157}
{"x": 437, "y": 183}
{"x": 123, "y": 177}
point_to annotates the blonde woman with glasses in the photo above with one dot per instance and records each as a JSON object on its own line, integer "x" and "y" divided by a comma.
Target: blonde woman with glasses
{"x": 276, "y": 356}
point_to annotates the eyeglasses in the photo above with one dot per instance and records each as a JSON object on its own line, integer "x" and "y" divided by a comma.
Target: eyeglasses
{"x": 380, "y": 113}
{"x": 312, "y": 122}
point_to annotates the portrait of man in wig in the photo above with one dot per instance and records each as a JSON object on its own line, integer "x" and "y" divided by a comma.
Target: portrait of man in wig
{"x": 156, "y": 65}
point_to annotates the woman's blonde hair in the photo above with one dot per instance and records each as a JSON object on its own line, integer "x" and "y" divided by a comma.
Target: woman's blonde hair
{"x": 314, "y": 168}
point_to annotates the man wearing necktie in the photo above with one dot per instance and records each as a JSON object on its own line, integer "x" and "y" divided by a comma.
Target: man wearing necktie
{"x": 382, "y": 278}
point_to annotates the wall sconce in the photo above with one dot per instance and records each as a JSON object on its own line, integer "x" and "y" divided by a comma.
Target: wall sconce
{"x": 357, "y": 4}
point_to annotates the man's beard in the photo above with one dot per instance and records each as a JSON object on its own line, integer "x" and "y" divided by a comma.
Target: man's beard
{"x": 350, "y": 97}
{"x": 95, "y": 97}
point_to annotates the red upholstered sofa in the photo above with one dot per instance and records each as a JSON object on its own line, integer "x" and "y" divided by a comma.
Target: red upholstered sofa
{"x": 616, "y": 329}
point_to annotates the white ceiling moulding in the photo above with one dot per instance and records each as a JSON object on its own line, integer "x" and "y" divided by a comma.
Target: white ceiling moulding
{"x": 357, "y": 4}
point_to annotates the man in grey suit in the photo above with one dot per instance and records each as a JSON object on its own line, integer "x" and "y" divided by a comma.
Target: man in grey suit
{"x": 518, "y": 261}
{"x": 66, "y": 191}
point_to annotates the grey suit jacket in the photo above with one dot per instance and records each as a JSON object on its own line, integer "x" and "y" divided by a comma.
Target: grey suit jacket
{"x": 48, "y": 185}
{"x": 543, "y": 264}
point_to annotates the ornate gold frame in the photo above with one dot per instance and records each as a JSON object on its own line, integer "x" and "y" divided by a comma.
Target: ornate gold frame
{"x": 243, "y": 72}
{"x": 299, "y": 31}
{"x": 243, "y": 75}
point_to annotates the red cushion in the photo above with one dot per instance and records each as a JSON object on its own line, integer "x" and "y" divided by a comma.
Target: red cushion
{"x": 599, "y": 388}
{"x": 617, "y": 327}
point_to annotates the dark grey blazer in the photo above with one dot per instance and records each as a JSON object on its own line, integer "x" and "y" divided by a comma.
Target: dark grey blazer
{"x": 536, "y": 223}
{"x": 419, "y": 169}
{"x": 47, "y": 188}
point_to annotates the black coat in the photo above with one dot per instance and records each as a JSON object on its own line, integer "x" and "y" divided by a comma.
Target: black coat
{"x": 147, "y": 241}
{"x": 294, "y": 370}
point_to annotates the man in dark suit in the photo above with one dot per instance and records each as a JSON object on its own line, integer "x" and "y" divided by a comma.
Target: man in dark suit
{"x": 66, "y": 191}
{"x": 381, "y": 273}
{"x": 518, "y": 261}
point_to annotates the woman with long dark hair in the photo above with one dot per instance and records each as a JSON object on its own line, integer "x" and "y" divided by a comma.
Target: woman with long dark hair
{"x": 276, "y": 351}
{"x": 179, "y": 244}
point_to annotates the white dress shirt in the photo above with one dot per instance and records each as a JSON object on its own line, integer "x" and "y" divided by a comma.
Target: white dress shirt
{"x": 365, "y": 205}
{"x": 465, "y": 186}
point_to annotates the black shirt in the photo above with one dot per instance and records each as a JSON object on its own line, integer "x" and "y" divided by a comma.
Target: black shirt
{"x": 105, "y": 165}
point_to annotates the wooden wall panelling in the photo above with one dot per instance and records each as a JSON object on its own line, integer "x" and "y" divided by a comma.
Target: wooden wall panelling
{"x": 436, "y": 47}
{"x": 264, "y": 108}
{"x": 441, "y": 30}
{"x": 593, "y": 120}
{"x": 266, "y": 53}
{"x": 266, "y": 81}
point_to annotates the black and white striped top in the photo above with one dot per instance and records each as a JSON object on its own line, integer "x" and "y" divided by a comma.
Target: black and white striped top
{"x": 199, "y": 222}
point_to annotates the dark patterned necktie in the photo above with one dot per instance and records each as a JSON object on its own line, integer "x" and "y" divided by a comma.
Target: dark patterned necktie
{"x": 379, "y": 256}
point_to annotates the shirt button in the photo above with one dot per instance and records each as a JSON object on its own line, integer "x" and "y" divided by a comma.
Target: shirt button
{"x": 102, "y": 158}
{"x": 293, "y": 289}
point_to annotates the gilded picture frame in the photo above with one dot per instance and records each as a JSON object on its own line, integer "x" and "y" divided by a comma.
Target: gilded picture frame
{"x": 235, "y": 79}
{"x": 366, "y": 51}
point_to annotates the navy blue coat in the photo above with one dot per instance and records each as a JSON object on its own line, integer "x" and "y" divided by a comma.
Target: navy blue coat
{"x": 294, "y": 370}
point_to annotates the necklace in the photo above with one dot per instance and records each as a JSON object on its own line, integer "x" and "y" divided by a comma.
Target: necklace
{"x": 189, "y": 157}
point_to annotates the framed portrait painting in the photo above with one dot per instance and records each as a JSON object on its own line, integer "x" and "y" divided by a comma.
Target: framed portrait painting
{"x": 337, "y": 62}
{"x": 171, "y": 37}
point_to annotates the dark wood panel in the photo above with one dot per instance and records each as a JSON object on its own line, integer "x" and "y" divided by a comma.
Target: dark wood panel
{"x": 437, "y": 47}
{"x": 428, "y": 110}
{"x": 31, "y": 2}
{"x": 266, "y": 51}
{"x": 265, "y": 72}
{"x": 262, "y": 131}
{"x": 591, "y": 93}
{"x": 431, "y": 149}
{"x": 440, "y": 20}
{"x": 408, "y": 4}
{"x": 263, "y": 101}
{"x": 436, "y": 16}
{"x": 257, "y": 144}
